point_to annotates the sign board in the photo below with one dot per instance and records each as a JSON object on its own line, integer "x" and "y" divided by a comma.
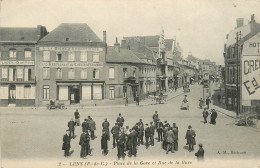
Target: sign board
{"x": 16, "y": 62}
{"x": 251, "y": 70}
{"x": 70, "y": 64}
{"x": 96, "y": 49}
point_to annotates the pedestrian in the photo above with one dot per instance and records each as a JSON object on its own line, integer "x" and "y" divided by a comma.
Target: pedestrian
{"x": 208, "y": 101}
{"x": 147, "y": 135}
{"x": 201, "y": 103}
{"x": 141, "y": 132}
{"x": 105, "y": 126}
{"x": 121, "y": 146}
{"x": 77, "y": 117}
{"x": 84, "y": 125}
{"x": 175, "y": 132}
{"x": 219, "y": 98}
{"x": 126, "y": 101}
{"x": 152, "y": 129}
{"x": 170, "y": 140}
{"x": 155, "y": 119}
{"x": 205, "y": 115}
{"x": 134, "y": 132}
{"x": 115, "y": 133}
{"x": 130, "y": 142}
{"x": 200, "y": 153}
{"x": 137, "y": 100}
{"x": 213, "y": 116}
{"x": 104, "y": 139}
{"x": 160, "y": 130}
{"x": 92, "y": 125}
{"x": 120, "y": 120}
{"x": 66, "y": 143}
{"x": 71, "y": 125}
{"x": 190, "y": 136}
{"x": 83, "y": 143}
{"x": 165, "y": 129}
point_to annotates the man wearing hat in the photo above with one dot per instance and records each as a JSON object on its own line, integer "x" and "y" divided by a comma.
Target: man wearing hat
{"x": 213, "y": 116}
{"x": 160, "y": 130}
{"x": 71, "y": 125}
{"x": 92, "y": 125}
{"x": 105, "y": 126}
{"x": 147, "y": 135}
{"x": 66, "y": 143}
{"x": 175, "y": 132}
{"x": 120, "y": 120}
{"x": 155, "y": 119}
{"x": 170, "y": 140}
{"x": 84, "y": 142}
{"x": 152, "y": 129}
{"x": 141, "y": 132}
{"x": 77, "y": 117}
{"x": 84, "y": 125}
{"x": 115, "y": 133}
{"x": 190, "y": 136}
{"x": 200, "y": 153}
{"x": 205, "y": 115}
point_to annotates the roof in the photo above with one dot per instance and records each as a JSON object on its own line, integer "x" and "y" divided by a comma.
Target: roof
{"x": 124, "y": 56}
{"x": 74, "y": 32}
{"x": 168, "y": 44}
{"x": 11, "y": 34}
{"x": 247, "y": 37}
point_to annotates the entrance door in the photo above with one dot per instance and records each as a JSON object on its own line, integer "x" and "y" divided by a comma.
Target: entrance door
{"x": 12, "y": 94}
{"x": 76, "y": 94}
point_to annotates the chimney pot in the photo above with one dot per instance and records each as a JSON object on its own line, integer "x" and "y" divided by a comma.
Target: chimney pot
{"x": 104, "y": 36}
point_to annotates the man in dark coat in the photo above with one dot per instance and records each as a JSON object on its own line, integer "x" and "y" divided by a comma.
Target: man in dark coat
{"x": 83, "y": 142}
{"x": 208, "y": 101}
{"x": 121, "y": 146}
{"x": 77, "y": 117}
{"x": 160, "y": 130}
{"x": 152, "y": 129}
{"x": 213, "y": 116}
{"x": 175, "y": 132}
{"x": 115, "y": 133}
{"x": 155, "y": 119}
{"x": 170, "y": 140}
{"x": 104, "y": 139}
{"x": 120, "y": 120}
{"x": 71, "y": 125}
{"x": 66, "y": 143}
{"x": 165, "y": 129}
{"x": 200, "y": 153}
{"x": 130, "y": 143}
{"x": 92, "y": 125}
{"x": 205, "y": 115}
{"x": 147, "y": 135}
{"x": 190, "y": 136}
{"x": 134, "y": 132}
{"x": 141, "y": 132}
{"x": 84, "y": 126}
{"x": 105, "y": 126}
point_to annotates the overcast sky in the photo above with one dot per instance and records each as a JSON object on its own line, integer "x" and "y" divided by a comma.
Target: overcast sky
{"x": 200, "y": 26}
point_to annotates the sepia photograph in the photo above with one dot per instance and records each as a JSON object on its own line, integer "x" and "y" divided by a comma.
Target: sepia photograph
{"x": 129, "y": 83}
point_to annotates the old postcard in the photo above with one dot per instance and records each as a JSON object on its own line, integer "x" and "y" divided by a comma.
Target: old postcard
{"x": 129, "y": 83}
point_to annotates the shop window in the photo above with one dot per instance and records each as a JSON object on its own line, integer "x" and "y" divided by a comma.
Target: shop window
{"x": 95, "y": 57}
{"x": 84, "y": 73}
{"x": 27, "y": 53}
{"x": 111, "y": 92}
{"x": 58, "y": 73}
{"x": 27, "y": 91}
{"x": 124, "y": 91}
{"x": 58, "y": 57}
{"x": 12, "y": 53}
{"x": 71, "y": 73}
{"x": 71, "y": 56}
{"x": 46, "y": 56}
{"x": 111, "y": 73}
{"x": 46, "y": 92}
{"x": 125, "y": 72}
{"x": 84, "y": 56}
{"x": 4, "y": 73}
{"x": 95, "y": 74}
{"x": 46, "y": 73}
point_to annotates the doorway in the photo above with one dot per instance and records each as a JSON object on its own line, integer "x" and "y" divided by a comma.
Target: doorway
{"x": 12, "y": 94}
{"x": 74, "y": 95}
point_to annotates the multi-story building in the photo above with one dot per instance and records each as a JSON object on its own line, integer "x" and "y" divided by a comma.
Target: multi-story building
{"x": 232, "y": 53}
{"x": 17, "y": 65}
{"x": 70, "y": 65}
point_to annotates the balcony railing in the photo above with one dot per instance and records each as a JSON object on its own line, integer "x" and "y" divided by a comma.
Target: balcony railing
{"x": 17, "y": 81}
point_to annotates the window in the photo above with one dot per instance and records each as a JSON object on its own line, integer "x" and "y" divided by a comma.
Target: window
{"x": 4, "y": 73}
{"x": 95, "y": 57}
{"x": 134, "y": 73}
{"x": 71, "y": 73}
{"x": 58, "y": 73}
{"x": 95, "y": 74}
{"x": 58, "y": 57}
{"x": 12, "y": 74}
{"x": 19, "y": 73}
{"x": 111, "y": 92}
{"x": 125, "y": 72}
{"x": 46, "y": 55}
{"x": 84, "y": 56}
{"x": 27, "y": 53}
{"x": 230, "y": 75}
{"x": 12, "y": 53}
{"x": 124, "y": 91}
{"x": 84, "y": 74}
{"x": 71, "y": 56}
{"x": 27, "y": 91}
{"x": 46, "y": 92}
{"x": 46, "y": 73}
{"x": 27, "y": 74}
{"x": 111, "y": 73}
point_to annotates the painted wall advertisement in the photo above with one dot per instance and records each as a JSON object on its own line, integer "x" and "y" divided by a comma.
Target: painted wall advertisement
{"x": 251, "y": 70}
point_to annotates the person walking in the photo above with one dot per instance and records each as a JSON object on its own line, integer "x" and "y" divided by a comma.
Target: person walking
{"x": 152, "y": 130}
{"x": 71, "y": 125}
{"x": 92, "y": 125}
{"x": 121, "y": 146}
{"x": 130, "y": 143}
{"x": 170, "y": 140}
{"x": 160, "y": 130}
{"x": 137, "y": 100}
{"x": 201, "y": 103}
{"x": 208, "y": 101}
{"x": 200, "y": 153}
{"x": 190, "y": 136}
{"x": 126, "y": 101}
{"x": 104, "y": 139}
{"x": 213, "y": 116}
{"x": 77, "y": 117}
{"x": 205, "y": 115}
{"x": 83, "y": 143}
{"x": 66, "y": 143}
{"x": 147, "y": 135}
{"x": 105, "y": 126}
{"x": 115, "y": 133}
{"x": 84, "y": 125}
{"x": 120, "y": 120}
{"x": 141, "y": 132}
{"x": 175, "y": 132}
{"x": 155, "y": 119}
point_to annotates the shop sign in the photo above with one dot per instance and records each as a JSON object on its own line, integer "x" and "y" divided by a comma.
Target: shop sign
{"x": 95, "y": 49}
{"x": 71, "y": 64}
{"x": 16, "y": 62}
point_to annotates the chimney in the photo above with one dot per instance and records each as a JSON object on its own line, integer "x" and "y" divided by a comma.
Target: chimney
{"x": 39, "y": 30}
{"x": 240, "y": 22}
{"x": 117, "y": 46}
{"x": 123, "y": 44}
{"x": 104, "y": 36}
{"x": 252, "y": 18}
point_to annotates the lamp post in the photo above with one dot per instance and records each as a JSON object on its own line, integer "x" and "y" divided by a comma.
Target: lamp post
{"x": 238, "y": 37}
